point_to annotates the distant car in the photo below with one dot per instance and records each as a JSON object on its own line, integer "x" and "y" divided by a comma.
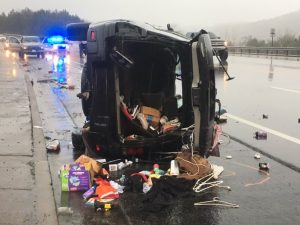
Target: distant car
{"x": 12, "y": 44}
{"x": 2, "y": 38}
{"x": 31, "y": 45}
{"x": 218, "y": 44}
{"x": 56, "y": 46}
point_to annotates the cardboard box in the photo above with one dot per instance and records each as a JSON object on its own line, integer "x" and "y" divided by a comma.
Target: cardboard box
{"x": 75, "y": 177}
{"x": 150, "y": 111}
{"x": 152, "y": 115}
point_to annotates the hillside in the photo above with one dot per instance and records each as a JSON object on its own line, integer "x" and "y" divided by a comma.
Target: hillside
{"x": 261, "y": 29}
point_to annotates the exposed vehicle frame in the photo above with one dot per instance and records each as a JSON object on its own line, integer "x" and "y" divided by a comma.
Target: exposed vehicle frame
{"x": 129, "y": 59}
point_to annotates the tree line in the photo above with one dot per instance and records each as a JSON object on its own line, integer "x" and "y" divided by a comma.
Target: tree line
{"x": 285, "y": 40}
{"x": 42, "y": 22}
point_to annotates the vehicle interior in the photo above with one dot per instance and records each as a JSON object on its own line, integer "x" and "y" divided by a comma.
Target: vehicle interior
{"x": 151, "y": 74}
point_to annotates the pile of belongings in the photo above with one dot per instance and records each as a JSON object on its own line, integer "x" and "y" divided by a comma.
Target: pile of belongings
{"x": 155, "y": 118}
{"x": 86, "y": 174}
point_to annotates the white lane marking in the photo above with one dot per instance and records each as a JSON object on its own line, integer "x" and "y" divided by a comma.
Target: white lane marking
{"x": 285, "y": 89}
{"x": 260, "y": 127}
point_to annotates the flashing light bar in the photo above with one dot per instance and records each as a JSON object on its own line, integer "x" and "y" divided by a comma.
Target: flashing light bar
{"x": 55, "y": 39}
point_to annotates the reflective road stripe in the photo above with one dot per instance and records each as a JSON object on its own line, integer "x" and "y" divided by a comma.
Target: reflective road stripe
{"x": 260, "y": 127}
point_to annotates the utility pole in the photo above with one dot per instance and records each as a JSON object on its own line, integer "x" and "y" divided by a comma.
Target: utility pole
{"x": 272, "y": 33}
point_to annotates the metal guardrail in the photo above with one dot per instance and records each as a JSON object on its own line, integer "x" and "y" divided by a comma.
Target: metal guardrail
{"x": 267, "y": 51}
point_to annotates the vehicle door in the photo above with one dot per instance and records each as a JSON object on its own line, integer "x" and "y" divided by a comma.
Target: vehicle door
{"x": 14, "y": 44}
{"x": 203, "y": 92}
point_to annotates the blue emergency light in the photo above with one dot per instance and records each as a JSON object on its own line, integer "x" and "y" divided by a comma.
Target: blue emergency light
{"x": 55, "y": 39}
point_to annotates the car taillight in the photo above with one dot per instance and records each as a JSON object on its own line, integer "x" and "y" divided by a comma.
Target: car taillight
{"x": 98, "y": 148}
{"x": 93, "y": 36}
{"x": 135, "y": 151}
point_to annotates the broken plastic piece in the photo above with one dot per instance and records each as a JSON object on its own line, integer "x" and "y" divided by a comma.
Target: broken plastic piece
{"x": 260, "y": 135}
{"x": 64, "y": 211}
{"x": 265, "y": 116}
{"x": 257, "y": 156}
{"x": 264, "y": 166}
{"x": 53, "y": 146}
{"x": 228, "y": 157}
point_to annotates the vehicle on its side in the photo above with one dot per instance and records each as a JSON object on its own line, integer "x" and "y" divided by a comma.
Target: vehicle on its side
{"x": 219, "y": 45}
{"x": 31, "y": 45}
{"x": 56, "y": 46}
{"x": 145, "y": 90}
{"x": 12, "y": 44}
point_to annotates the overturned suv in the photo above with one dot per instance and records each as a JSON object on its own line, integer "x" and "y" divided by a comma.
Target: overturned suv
{"x": 146, "y": 90}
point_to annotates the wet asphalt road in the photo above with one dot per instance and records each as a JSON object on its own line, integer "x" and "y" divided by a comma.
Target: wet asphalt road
{"x": 264, "y": 198}
{"x": 267, "y": 86}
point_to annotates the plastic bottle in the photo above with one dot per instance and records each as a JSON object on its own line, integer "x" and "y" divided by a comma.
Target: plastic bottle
{"x": 89, "y": 192}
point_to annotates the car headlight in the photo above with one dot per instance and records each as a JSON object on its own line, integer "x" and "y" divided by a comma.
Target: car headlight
{"x": 225, "y": 43}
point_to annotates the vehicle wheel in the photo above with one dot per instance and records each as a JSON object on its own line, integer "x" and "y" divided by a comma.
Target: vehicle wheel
{"x": 77, "y": 140}
{"x": 223, "y": 55}
{"x": 38, "y": 55}
{"x": 85, "y": 87}
{"x": 43, "y": 55}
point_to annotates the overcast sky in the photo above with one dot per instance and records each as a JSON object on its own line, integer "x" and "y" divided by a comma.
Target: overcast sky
{"x": 180, "y": 13}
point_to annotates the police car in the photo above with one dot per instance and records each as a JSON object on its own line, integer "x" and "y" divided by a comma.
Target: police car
{"x": 56, "y": 47}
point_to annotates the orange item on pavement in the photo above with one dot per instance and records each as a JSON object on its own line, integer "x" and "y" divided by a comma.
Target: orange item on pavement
{"x": 104, "y": 190}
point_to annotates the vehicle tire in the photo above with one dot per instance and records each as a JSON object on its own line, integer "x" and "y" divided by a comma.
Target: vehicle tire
{"x": 38, "y": 55}
{"x": 43, "y": 55}
{"x": 223, "y": 54}
{"x": 77, "y": 140}
{"x": 85, "y": 87}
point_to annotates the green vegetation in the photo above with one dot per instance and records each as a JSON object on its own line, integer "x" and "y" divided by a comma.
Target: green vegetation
{"x": 42, "y": 22}
{"x": 286, "y": 40}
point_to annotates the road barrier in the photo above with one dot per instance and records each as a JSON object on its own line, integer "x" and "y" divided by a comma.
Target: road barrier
{"x": 268, "y": 51}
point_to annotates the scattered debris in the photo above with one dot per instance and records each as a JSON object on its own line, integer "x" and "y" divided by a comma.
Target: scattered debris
{"x": 46, "y": 81}
{"x": 257, "y": 156}
{"x": 66, "y": 86}
{"x": 53, "y": 146}
{"x": 228, "y": 157}
{"x": 64, "y": 211}
{"x": 265, "y": 116}
{"x": 32, "y": 82}
{"x": 50, "y": 71}
{"x": 25, "y": 64}
{"x": 298, "y": 120}
{"x": 38, "y": 127}
{"x": 260, "y": 135}
{"x": 27, "y": 71}
{"x": 113, "y": 167}
{"x": 264, "y": 166}
{"x": 39, "y": 68}
{"x": 217, "y": 170}
{"x": 174, "y": 170}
